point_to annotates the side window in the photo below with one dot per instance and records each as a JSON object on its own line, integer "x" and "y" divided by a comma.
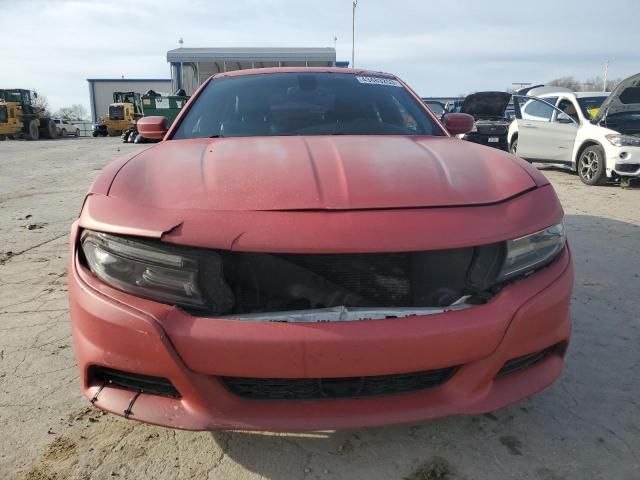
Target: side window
{"x": 531, "y": 108}
{"x": 552, "y": 100}
{"x": 538, "y": 110}
{"x": 569, "y": 108}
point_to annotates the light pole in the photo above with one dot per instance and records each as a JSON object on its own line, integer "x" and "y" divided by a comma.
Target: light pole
{"x": 353, "y": 35}
{"x": 606, "y": 74}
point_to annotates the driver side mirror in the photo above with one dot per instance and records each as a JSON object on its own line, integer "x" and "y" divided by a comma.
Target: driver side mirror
{"x": 564, "y": 118}
{"x": 458, "y": 123}
{"x": 152, "y": 127}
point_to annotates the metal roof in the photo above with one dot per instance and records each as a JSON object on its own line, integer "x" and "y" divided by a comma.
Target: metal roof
{"x": 95, "y": 80}
{"x": 251, "y": 54}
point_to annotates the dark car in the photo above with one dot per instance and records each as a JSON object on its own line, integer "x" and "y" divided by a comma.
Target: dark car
{"x": 488, "y": 109}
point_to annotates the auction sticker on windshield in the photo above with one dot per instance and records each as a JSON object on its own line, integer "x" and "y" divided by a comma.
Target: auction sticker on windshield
{"x": 379, "y": 81}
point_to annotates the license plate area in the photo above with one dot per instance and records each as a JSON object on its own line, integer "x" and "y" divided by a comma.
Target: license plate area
{"x": 494, "y": 139}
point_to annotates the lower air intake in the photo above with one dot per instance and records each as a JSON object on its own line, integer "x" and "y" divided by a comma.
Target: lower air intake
{"x": 527, "y": 361}
{"x": 333, "y": 388}
{"x": 133, "y": 381}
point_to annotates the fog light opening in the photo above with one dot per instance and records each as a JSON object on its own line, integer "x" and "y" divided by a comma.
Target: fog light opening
{"x": 526, "y": 361}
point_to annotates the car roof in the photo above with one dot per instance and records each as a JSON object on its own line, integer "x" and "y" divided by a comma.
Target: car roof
{"x": 267, "y": 71}
{"x": 575, "y": 94}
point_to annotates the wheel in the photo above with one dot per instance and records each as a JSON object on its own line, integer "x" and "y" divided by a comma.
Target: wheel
{"x": 2, "y": 138}
{"x": 138, "y": 138}
{"x": 64, "y": 132}
{"x": 591, "y": 166}
{"x": 34, "y": 130}
{"x": 77, "y": 134}
{"x": 125, "y": 137}
{"x": 513, "y": 148}
{"x": 50, "y": 130}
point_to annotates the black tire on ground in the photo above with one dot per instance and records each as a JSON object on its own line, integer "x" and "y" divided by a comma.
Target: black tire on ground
{"x": 125, "y": 137}
{"x": 33, "y": 132}
{"x": 2, "y": 138}
{"x": 592, "y": 166}
{"x": 513, "y": 148}
{"x": 50, "y": 130}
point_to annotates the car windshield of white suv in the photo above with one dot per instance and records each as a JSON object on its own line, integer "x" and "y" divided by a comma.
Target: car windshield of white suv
{"x": 590, "y": 105}
{"x": 305, "y": 104}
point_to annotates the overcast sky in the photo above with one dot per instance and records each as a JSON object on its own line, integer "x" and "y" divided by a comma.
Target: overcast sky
{"x": 440, "y": 47}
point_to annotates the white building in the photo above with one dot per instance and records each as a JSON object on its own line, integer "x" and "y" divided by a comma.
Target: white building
{"x": 101, "y": 91}
{"x": 192, "y": 66}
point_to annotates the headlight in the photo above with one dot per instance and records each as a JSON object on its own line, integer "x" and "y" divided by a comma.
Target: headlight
{"x": 623, "y": 140}
{"x": 528, "y": 253}
{"x": 151, "y": 270}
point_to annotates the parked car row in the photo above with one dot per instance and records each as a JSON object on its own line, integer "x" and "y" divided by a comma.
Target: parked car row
{"x": 595, "y": 134}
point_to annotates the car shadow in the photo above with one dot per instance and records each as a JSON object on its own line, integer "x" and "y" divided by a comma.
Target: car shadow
{"x": 586, "y": 425}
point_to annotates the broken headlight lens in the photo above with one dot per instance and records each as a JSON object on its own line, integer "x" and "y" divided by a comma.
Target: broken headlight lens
{"x": 144, "y": 269}
{"x": 528, "y": 253}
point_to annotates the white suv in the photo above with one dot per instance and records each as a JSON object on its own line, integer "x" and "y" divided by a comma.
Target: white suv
{"x": 65, "y": 128}
{"x": 595, "y": 134}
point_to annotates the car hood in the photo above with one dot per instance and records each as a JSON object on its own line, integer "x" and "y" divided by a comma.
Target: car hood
{"x": 486, "y": 104}
{"x": 624, "y": 98}
{"x": 319, "y": 173}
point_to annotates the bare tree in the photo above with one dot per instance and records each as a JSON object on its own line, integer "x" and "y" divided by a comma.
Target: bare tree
{"x": 40, "y": 101}
{"x": 74, "y": 112}
{"x": 566, "y": 82}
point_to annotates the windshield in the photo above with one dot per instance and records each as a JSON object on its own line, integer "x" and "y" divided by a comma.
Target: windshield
{"x": 590, "y": 106}
{"x": 305, "y": 104}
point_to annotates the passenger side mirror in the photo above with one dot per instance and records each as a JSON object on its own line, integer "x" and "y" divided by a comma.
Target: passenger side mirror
{"x": 564, "y": 118}
{"x": 152, "y": 127}
{"x": 458, "y": 123}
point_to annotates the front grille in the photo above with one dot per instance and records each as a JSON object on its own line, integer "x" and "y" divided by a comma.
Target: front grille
{"x": 264, "y": 282}
{"x": 116, "y": 112}
{"x": 333, "y": 388}
{"x": 133, "y": 381}
{"x": 531, "y": 359}
{"x": 385, "y": 278}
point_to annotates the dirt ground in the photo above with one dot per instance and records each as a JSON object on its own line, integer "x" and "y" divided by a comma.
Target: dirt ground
{"x": 586, "y": 426}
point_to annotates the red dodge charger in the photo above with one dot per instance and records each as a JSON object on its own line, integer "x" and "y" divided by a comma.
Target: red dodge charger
{"x": 312, "y": 249}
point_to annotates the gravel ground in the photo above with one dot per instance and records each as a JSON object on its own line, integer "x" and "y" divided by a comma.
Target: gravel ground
{"x": 586, "y": 426}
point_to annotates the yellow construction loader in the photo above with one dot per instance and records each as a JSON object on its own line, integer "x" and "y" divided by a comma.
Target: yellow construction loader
{"x": 124, "y": 112}
{"x": 23, "y": 117}
{"x": 10, "y": 124}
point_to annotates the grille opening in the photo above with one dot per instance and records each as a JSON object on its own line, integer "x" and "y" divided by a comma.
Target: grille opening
{"x": 133, "y": 381}
{"x": 526, "y": 361}
{"x": 334, "y": 388}
{"x": 264, "y": 282}
{"x": 116, "y": 112}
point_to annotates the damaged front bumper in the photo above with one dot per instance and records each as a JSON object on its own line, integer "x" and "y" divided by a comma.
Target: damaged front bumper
{"x": 202, "y": 357}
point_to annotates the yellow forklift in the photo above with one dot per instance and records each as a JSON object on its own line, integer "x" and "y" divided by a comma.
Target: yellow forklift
{"x": 124, "y": 112}
{"x": 23, "y": 118}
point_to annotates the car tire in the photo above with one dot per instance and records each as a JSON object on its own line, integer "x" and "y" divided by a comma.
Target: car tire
{"x": 513, "y": 148}
{"x": 592, "y": 166}
{"x": 2, "y": 138}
